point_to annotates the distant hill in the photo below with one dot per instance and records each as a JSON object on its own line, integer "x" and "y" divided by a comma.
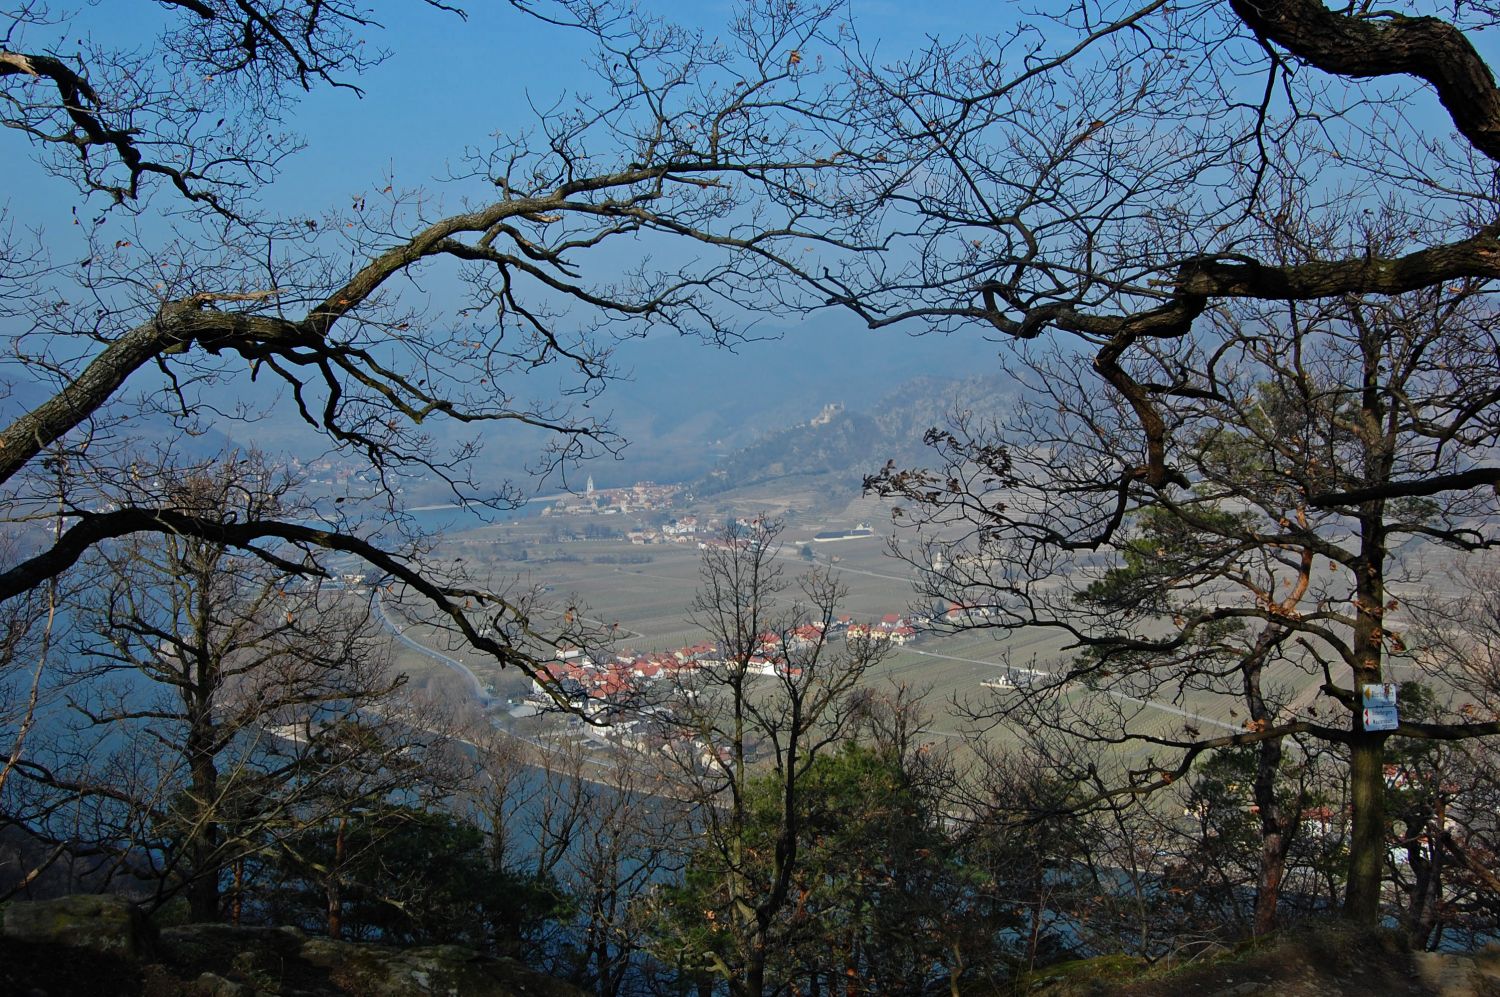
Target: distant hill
{"x": 847, "y": 445}
{"x": 685, "y": 406}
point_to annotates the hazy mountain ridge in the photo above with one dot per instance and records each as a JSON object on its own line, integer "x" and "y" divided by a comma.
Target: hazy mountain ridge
{"x": 850, "y": 444}
{"x": 685, "y": 409}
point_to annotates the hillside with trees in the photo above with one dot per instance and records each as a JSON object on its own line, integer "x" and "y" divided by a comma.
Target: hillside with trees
{"x": 836, "y": 454}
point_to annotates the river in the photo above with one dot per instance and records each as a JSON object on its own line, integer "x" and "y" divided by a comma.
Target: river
{"x": 455, "y": 517}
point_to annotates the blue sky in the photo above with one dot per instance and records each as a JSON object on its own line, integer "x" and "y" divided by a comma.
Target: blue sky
{"x": 451, "y": 83}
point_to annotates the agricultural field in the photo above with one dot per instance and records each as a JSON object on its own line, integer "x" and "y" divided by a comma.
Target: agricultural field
{"x": 638, "y": 596}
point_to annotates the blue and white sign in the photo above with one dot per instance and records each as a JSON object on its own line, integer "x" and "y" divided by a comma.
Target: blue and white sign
{"x": 1379, "y": 703}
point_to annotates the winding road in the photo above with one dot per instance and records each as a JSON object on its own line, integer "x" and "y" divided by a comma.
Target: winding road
{"x": 397, "y": 631}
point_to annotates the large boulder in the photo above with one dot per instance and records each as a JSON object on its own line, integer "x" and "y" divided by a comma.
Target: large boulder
{"x": 101, "y": 923}
{"x": 428, "y": 971}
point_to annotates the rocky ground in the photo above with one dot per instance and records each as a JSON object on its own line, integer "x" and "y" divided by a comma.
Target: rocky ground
{"x": 102, "y": 946}
{"x": 1316, "y": 961}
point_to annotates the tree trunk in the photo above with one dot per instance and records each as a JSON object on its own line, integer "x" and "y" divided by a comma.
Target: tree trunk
{"x": 1424, "y": 857}
{"x": 755, "y": 975}
{"x": 334, "y": 893}
{"x": 203, "y": 896}
{"x": 1273, "y": 852}
{"x": 203, "y": 846}
{"x": 1367, "y": 752}
{"x": 1277, "y": 828}
{"x": 1367, "y": 835}
{"x": 1421, "y": 913}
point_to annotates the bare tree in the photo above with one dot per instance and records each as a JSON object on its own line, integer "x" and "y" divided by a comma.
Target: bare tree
{"x": 746, "y": 732}
{"x": 1106, "y": 187}
{"x": 1242, "y": 581}
{"x": 31, "y": 625}
{"x": 246, "y": 699}
{"x": 180, "y": 302}
{"x": 627, "y": 845}
{"x": 716, "y": 142}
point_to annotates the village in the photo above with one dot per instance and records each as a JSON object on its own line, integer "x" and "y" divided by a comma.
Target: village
{"x": 643, "y": 496}
{"x": 630, "y": 699}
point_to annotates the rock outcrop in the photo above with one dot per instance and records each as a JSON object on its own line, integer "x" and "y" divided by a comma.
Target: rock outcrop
{"x": 103, "y": 945}
{"x": 97, "y": 922}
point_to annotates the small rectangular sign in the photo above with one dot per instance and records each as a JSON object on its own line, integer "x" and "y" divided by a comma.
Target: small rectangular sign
{"x": 1380, "y": 706}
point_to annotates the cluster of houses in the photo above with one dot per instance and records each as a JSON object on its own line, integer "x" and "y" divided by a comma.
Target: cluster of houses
{"x": 892, "y": 628}
{"x": 643, "y": 496}
{"x": 628, "y": 696}
{"x": 591, "y": 687}
{"x": 624, "y": 680}
{"x": 683, "y": 529}
{"x": 614, "y": 694}
{"x": 327, "y": 471}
